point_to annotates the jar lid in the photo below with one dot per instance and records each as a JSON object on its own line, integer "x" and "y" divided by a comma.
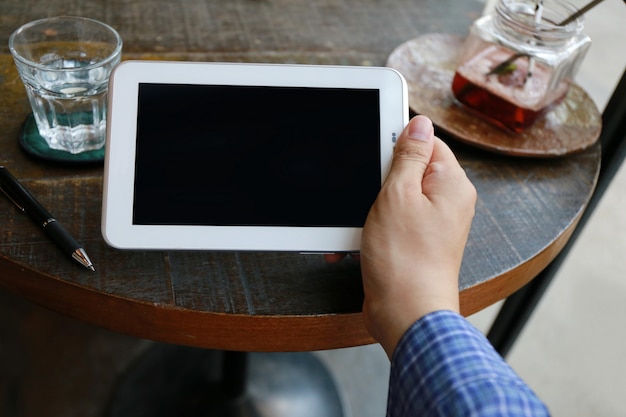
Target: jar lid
{"x": 519, "y": 17}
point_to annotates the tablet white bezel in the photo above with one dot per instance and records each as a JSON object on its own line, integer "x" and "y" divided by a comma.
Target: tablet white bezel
{"x": 117, "y": 227}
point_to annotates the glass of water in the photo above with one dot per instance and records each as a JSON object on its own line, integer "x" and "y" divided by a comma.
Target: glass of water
{"x": 65, "y": 63}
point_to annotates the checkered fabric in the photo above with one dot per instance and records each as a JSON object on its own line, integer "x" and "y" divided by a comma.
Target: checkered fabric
{"x": 443, "y": 366}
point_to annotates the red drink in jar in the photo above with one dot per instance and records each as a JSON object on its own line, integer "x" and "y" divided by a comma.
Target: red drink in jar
{"x": 512, "y": 95}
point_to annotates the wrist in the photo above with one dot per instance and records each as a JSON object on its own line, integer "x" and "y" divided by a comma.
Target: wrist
{"x": 387, "y": 323}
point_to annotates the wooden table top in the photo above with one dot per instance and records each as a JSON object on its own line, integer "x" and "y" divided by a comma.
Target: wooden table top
{"x": 256, "y": 301}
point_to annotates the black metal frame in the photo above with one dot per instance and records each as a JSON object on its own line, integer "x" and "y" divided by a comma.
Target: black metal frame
{"x": 518, "y": 307}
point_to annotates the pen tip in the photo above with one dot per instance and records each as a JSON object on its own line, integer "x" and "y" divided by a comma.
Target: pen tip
{"x": 81, "y": 256}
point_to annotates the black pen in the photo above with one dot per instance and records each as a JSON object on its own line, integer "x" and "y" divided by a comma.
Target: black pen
{"x": 24, "y": 200}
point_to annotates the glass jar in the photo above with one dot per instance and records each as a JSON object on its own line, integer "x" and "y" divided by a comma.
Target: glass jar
{"x": 517, "y": 64}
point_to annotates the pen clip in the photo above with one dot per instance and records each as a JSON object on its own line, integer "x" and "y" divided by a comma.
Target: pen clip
{"x": 19, "y": 206}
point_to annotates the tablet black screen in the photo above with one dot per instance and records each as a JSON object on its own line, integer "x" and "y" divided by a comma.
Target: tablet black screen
{"x": 246, "y": 155}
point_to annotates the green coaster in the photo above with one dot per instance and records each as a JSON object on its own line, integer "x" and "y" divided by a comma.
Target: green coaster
{"x": 34, "y": 145}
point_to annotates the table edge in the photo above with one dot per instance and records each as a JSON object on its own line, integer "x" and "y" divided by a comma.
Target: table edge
{"x": 239, "y": 332}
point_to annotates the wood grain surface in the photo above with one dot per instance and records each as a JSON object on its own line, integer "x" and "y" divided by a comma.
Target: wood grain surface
{"x": 263, "y": 301}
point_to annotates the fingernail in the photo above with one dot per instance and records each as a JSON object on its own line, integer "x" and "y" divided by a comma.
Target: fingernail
{"x": 421, "y": 128}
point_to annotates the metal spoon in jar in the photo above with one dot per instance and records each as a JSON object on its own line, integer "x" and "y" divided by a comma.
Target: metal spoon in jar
{"x": 505, "y": 64}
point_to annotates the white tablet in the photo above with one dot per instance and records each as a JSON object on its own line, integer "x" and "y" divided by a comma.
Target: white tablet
{"x": 220, "y": 156}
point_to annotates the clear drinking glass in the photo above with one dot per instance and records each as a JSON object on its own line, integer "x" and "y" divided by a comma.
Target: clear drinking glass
{"x": 65, "y": 63}
{"x": 518, "y": 63}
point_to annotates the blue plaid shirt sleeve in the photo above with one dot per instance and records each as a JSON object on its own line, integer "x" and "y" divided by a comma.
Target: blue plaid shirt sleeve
{"x": 443, "y": 366}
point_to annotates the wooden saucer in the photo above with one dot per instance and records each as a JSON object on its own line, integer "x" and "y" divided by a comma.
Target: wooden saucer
{"x": 428, "y": 64}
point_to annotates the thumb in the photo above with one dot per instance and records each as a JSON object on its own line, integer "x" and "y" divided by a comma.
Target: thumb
{"x": 413, "y": 151}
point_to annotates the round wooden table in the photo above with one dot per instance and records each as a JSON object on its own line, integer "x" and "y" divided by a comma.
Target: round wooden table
{"x": 255, "y": 301}
{"x": 272, "y": 302}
